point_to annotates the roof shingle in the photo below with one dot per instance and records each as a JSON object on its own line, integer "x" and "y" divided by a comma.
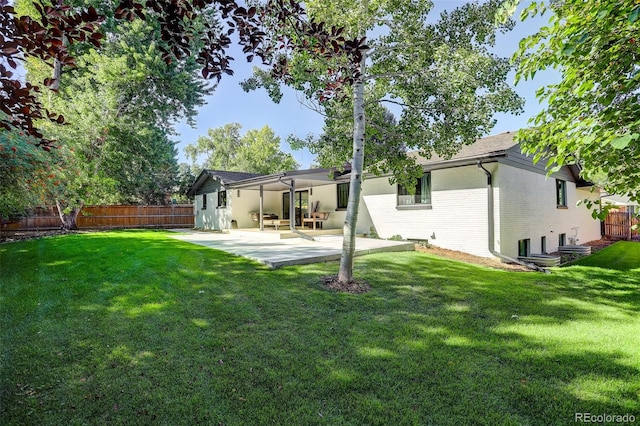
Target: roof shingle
{"x": 495, "y": 144}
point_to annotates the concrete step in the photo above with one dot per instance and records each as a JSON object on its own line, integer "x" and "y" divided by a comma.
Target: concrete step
{"x": 541, "y": 260}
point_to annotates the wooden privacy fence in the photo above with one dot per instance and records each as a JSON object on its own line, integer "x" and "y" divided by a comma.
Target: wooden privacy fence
{"x": 618, "y": 225}
{"x": 109, "y": 217}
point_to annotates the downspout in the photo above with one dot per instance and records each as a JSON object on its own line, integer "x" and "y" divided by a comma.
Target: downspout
{"x": 491, "y": 224}
{"x": 292, "y": 210}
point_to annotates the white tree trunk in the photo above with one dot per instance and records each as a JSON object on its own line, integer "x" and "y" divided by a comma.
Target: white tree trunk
{"x": 349, "y": 241}
{"x": 56, "y": 75}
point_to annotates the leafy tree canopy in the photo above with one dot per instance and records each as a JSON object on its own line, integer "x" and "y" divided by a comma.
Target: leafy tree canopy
{"x": 257, "y": 151}
{"x": 431, "y": 82}
{"x": 121, "y": 102}
{"x": 202, "y": 30}
{"x": 186, "y": 177}
{"x": 29, "y": 176}
{"x": 593, "y": 113}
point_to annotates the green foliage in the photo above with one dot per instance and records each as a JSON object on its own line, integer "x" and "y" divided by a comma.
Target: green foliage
{"x": 219, "y": 148}
{"x": 134, "y": 327}
{"x": 29, "y": 175}
{"x": 260, "y": 152}
{"x": 373, "y": 233}
{"x": 120, "y": 104}
{"x": 186, "y": 177}
{"x": 593, "y": 113}
{"x": 431, "y": 83}
{"x": 257, "y": 151}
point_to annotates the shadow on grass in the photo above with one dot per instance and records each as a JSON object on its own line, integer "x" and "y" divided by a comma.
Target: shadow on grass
{"x": 133, "y": 327}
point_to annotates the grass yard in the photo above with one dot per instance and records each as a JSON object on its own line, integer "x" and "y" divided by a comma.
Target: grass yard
{"x": 136, "y": 328}
{"x": 623, "y": 256}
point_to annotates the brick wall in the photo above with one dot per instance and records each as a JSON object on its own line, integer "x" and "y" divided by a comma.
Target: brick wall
{"x": 457, "y": 219}
{"x": 528, "y": 210}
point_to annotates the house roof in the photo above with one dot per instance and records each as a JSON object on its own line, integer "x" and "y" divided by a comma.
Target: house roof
{"x": 281, "y": 181}
{"x": 230, "y": 177}
{"x": 273, "y": 182}
{"x": 222, "y": 175}
{"x": 619, "y": 200}
{"x": 490, "y": 146}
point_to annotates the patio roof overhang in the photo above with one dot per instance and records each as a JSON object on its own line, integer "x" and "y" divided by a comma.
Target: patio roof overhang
{"x": 282, "y": 181}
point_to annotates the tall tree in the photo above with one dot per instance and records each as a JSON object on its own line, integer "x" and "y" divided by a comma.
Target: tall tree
{"x": 121, "y": 102}
{"x": 219, "y": 148}
{"x": 186, "y": 177}
{"x": 257, "y": 151}
{"x": 439, "y": 75}
{"x": 260, "y": 153}
{"x": 56, "y": 32}
{"x": 592, "y": 116}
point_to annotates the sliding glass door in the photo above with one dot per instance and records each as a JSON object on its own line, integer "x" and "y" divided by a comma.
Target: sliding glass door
{"x": 301, "y": 200}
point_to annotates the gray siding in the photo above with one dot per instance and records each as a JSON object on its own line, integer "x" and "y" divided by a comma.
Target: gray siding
{"x": 209, "y": 187}
{"x": 516, "y": 159}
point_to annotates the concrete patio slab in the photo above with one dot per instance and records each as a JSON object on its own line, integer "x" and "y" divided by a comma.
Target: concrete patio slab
{"x": 286, "y": 252}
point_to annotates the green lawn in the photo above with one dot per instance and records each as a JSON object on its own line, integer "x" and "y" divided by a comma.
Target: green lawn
{"x": 137, "y": 328}
{"x": 623, "y": 256}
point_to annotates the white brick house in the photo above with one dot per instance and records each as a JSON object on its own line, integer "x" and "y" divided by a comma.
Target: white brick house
{"x": 525, "y": 210}
{"x": 487, "y": 200}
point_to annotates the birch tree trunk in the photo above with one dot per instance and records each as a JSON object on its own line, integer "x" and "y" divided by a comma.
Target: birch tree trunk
{"x": 56, "y": 75}
{"x": 349, "y": 240}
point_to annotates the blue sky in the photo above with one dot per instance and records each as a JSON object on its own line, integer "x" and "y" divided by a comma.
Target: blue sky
{"x": 229, "y": 103}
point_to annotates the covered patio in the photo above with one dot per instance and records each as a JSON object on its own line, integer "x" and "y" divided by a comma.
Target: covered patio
{"x": 301, "y": 202}
{"x": 300, "y": 210}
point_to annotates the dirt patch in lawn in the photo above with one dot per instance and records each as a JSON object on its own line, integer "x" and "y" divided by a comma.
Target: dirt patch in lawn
{"x": 9, "y": 236}
{"x": 355, "y": 286}
{"x": 469, "y": 258}
{"x": 597, "y": 245}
